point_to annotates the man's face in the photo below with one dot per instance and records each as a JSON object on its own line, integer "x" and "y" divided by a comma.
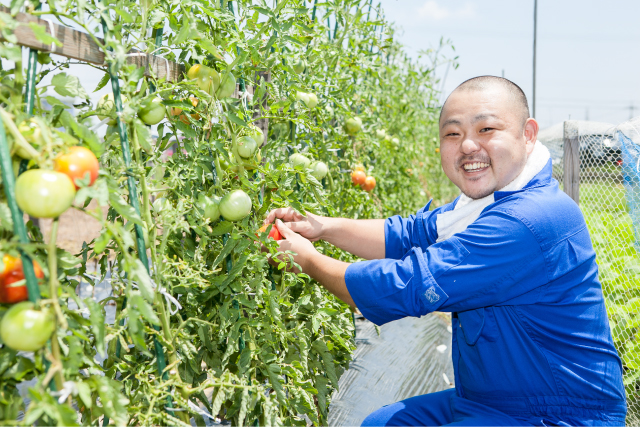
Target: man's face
{"x": 483, "y": 145}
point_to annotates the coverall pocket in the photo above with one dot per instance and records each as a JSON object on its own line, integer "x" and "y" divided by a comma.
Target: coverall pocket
{"x": 472, "y": 322}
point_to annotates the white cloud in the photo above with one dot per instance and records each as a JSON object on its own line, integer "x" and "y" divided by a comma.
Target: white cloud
{"x": 431, "y": 9}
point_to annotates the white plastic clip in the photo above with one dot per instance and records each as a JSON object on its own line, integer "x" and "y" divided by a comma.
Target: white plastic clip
{"x": 51, "y": 30}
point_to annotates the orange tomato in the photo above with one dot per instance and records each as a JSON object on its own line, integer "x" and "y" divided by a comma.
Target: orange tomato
{"x": 77, "y": 163}
{"x": 175, "y": 111}
{"x": 358, "y": 177}
{"x": 369, "y": 183}
{"x": 273, "y": 234}
{"x": 437, "y": 149}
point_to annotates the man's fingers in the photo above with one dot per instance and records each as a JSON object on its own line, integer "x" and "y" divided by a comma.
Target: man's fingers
{"x": 285, "y": 214}
{"x": 284, "y": 230}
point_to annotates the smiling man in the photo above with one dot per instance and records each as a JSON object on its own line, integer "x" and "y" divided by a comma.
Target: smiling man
{"x": 510, "y": 258}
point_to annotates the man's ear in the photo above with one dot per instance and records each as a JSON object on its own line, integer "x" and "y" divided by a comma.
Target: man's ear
{"x": 531, "y": 129}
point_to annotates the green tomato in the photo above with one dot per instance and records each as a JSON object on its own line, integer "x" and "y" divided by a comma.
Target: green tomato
{"x": 312, "y": 100}
{"x": 246, "y": 147}
{"x": 257, "y": 134}
{"x": 152, "y": 112}
{"x": 23, "y": 328}
{"x": 381, "y": 133}
{"x": 299, "y": 66}
{"x": 302, "y": 96}
{"x": 161, "y": 204}
{"x": 44, "y": 194}
{"x": 227, "y": 86}
{"x": 297, "y": 159}
{"x": 206, "y": 78}
{"x": 107, "y": 107}
{"x": 210, "y": 207}
{"x": 235, "y": 205}
{"x": 395, "y": 141}
{"x": 353, "y": 125}
{"x": 320, "y": 170}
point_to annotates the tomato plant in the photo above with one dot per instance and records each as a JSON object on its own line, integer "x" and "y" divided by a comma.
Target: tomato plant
{"x": 246, "y": 342}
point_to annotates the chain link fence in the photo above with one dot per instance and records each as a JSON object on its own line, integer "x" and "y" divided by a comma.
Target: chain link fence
{"x": 597, "y": 164}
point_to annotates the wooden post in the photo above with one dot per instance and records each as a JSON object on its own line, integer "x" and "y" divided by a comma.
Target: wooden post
{"x": 571, "y": 160}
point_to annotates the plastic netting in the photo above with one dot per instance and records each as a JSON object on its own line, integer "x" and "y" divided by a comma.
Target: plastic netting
{"x": 609, "y": 197}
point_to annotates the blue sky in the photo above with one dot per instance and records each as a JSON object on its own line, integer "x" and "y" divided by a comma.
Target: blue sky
{"x": 588, "y": 51}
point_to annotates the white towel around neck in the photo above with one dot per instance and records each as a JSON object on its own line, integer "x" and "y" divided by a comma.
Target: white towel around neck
{"x": 467, "y": 210}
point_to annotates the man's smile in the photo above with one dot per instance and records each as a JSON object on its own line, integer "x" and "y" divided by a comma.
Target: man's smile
{"x": 475, "y": 167}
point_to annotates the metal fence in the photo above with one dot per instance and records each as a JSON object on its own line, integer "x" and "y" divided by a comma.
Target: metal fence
{"x": 597, "y": 165}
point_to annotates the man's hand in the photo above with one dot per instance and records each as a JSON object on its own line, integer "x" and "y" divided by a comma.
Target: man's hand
{"x": 362, "y": 237}
{"x": 294, "y": 242}
{"x": 309, "y": 227}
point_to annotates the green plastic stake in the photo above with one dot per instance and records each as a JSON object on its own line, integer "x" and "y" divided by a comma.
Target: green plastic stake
{"x": 133, "y": 197}
{"x": 19, "y": 228}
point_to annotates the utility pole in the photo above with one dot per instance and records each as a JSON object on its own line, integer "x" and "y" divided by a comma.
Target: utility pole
{"x": 535, "y": 41}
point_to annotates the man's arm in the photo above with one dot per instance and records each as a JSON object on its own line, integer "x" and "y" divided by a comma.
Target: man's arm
{"x": 364, "y": 238}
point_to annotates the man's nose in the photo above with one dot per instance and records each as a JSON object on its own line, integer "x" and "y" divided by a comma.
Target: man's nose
{"x": 469, "y": 146}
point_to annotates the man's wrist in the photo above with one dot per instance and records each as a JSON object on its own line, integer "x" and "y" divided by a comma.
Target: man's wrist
{"x": 329, "y": 226}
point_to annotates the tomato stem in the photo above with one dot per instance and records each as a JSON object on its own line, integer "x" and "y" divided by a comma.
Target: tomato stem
{"x": 52, "y": 259}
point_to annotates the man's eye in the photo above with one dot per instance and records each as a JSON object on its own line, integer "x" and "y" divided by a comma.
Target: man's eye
{"x": 485, "y": 129}
{"x": 452, "y": 134}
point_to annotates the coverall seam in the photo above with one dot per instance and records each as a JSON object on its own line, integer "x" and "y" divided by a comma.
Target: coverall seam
{"x": 521, "y": 319}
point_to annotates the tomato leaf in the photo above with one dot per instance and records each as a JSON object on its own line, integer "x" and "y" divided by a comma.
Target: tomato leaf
{"x": 141, "y": 276}
{"x": 106, "y": 78}
{"x": 96, "y": 315}
{"x": 6, "y": 222}
{"x": 237, "y": 120}
{"x": 67, "y": 85}
{"x": 42, "y": 35}
{"x": 124, "y": 209}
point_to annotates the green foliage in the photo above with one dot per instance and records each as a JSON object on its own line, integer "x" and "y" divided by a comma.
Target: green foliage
{"x": 610, "y": 226}
{"x": 249, "y": 342}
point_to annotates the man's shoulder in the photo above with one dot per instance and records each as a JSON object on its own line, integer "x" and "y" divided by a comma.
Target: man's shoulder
{"x": 547, "y": 211}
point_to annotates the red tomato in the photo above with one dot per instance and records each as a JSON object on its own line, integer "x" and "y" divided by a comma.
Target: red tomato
{"x": 14, "y": 273}
{"x": 77, "y": 163}
{"x": 12, "y": 294}
{"x": 273, "y": 234}
{"x": 358, "y": 177}
{"x": 369, "y": 183}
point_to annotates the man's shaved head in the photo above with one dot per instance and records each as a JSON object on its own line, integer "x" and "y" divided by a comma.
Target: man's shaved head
{"x": 482, "y": 83}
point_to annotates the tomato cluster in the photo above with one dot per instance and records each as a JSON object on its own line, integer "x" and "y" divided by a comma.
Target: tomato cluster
{"x": 359, "y": 177}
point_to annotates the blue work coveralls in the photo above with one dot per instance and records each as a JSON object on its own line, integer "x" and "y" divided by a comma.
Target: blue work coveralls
{"x": 531, "y": 343}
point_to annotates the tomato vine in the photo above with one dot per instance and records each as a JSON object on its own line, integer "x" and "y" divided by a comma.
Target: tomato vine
{"x": 246, "y": 341}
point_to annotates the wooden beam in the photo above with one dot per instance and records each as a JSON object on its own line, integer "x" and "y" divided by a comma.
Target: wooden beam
{"x": 571, "y": 160}
{"x": 79, "y": 45}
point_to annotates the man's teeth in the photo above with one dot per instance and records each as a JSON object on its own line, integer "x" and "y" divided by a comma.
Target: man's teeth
{"x": 475, "y": 166}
